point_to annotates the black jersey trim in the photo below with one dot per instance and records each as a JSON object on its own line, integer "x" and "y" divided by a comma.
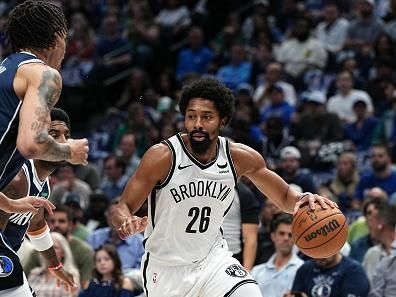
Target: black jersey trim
{"x": 241, "y": 283}
{"x": 228, "y": 152}
{"x": 153, "y": 202}
{"x": 145, "y": 274}
{"x": 192, "y": 158}
{"x": 172, "y": 170}
{"x": 228, "y": 208}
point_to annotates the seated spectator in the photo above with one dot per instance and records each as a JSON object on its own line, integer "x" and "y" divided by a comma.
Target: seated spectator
{"x": 366, "y": 236}
{"x": 94, "y": 217}
{"x": 384, "y": 235}
{"x": 342, "y": 103}
{"x": 334, "y": 276}
{"x": 342, "y": 188}
{"x": 384, "y": 279}
{"x": 196, "y": 57}
{"x": 67, "y": 183}
{"x": 115, "y": 178}
{"x": 361, "y": 131}
{"x": 129, "y": 250}
{"x": 381, "y": 175}
{"x": 108, "y": 280}
{"x": 276, "y": 276}
{"x": 291, "y": 172}
{"x": 78, "y": 228}
{"x": 127, "y": 151}
{"x": 43, "y": 282}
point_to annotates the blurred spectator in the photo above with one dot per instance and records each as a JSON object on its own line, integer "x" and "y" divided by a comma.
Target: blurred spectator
{"x": 196, "y": 57}
{"x": 61, "y": 221}
{"x": 261, "y": 58}
{"x": 277, "y": 107}
{"x": 67, "y": 183}
{"x": 127, "y": 151}
{"x": 301, "y": 52}
{"x": 266, "y": 247}
{"x": 240, "y": 226}
{"x": 115, "y": 178}
{"x": 342, "y": 103}
{"x": 108, "y": 278}
{"x": 238, "y": 70}
{"x": 361, "y": 243}
{"x": 361, "y": 131}
{"x": 43, "y": 282}
{"x": 384, "y": 279}
{"x": 384, "y": 235}
{"x": 366, "y": 29}
{"x": 94, "y": 215}
{"x": 286, "y": 17}
{"x": 333, "y": 30}
{"x": 78, "y": 229}
{"x": 381, "y": 174}
{"x": 88, "y": 173}
{"x": 307, "y": 131}
{"x": 334, "y": 276}
{"x": 273, "y": 76}
{"x": 129, "y": 250}
{"x": 342, "y": 188}
{"x": 276, "y": 276}
{"x": 291, "y": 172}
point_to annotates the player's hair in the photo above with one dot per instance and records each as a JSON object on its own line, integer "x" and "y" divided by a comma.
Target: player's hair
{"x": 116, "y": 273}
{"x": 281, "y": 218}
{"x": 58, "y": 114}
{"x": 34, "y": 25}
{"x": 210, "y": 89}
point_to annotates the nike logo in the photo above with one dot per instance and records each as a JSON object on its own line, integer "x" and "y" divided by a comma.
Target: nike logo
{"x": 222, "y": 166}
{"x": 180, "y": 167}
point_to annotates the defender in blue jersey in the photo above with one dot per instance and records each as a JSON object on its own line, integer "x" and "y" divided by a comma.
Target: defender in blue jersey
{"x": 31, "y": 180}
{"x": 30, "y": 85}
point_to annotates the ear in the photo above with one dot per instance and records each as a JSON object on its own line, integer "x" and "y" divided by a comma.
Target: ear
{"x": 380, "y": 226}
{"x": 223, "y": 122}
{"x": 272, "y": 236}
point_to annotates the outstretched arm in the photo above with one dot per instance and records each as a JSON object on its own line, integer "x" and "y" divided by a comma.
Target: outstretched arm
{"x": 39, "y": 234}
{"x": 153, "y": 169}
{"x": 40, "y": 87}
{"x": 251, "y": 164}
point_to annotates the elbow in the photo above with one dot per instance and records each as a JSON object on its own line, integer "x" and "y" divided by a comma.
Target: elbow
{"x": 27, "y": 150}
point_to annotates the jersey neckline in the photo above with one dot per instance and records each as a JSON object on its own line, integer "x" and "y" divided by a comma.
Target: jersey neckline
{"x": 192, "y": 158}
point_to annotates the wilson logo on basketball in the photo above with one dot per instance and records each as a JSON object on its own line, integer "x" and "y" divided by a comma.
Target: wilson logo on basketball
{"x": 324, "y": 230}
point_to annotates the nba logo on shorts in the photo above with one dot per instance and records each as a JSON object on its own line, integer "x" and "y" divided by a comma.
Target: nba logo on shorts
{"x": 236, "y": 271}
{"x": 6, "y": 266}
{"x": 154, "y": 277}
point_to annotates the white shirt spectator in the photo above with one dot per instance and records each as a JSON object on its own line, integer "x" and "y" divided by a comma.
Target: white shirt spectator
{"x": 288, "y": 91}
{"x": 342, "y": 105}
{"x": 332, "y": 38}
{"x": 298, "y": 56}
{"x": 173, "y": 17}
{"x": 274, "y": 283}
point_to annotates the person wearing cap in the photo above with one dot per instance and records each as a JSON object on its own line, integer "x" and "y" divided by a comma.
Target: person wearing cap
{"x": 316, "y": 126}
{"x": 366, "y": 29}
{"x": 291, "y": 172}
{"x": 342, "y": 103}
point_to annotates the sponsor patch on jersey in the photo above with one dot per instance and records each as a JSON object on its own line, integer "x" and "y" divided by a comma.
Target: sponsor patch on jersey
{"x": 236, "y": 270}
{"x": 6, "y": 266}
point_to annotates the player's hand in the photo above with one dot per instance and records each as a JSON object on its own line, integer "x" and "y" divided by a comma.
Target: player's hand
{"x": 131, "y": 226}
{"x": 311, "y": 199}
{"x": 29, "y": 204}
{"x": 79, "y": 151}
{"x": 62, "y": 277}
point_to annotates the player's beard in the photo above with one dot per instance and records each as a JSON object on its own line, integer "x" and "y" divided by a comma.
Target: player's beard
{"x": 199, "y": 147}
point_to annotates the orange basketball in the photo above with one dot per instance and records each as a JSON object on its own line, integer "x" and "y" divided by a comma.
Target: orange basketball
{"x": 319, "y": 233}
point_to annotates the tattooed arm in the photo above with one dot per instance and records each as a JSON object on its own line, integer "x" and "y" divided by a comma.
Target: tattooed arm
{"x": 40, "y": 87}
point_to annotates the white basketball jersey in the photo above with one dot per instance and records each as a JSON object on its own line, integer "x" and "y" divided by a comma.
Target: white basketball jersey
{"x": 186, "y": 211}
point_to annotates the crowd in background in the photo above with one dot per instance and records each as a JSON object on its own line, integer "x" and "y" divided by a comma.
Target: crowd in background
{"x": 316, "y": 96}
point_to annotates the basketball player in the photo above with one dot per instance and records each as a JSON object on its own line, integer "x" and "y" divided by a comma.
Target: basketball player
{"x": 32, "y": 180}
{"x": 30, "y": 85}
{"x": 190, "y": 180}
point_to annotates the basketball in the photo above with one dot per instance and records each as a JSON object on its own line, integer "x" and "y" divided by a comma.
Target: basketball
{"x": 319, "y": 233}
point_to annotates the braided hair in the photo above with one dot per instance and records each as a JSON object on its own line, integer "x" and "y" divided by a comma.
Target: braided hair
{"x": 35, "y": 24}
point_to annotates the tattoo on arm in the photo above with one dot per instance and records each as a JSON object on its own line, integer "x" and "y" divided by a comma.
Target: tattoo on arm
{"x": 48, "y": 94}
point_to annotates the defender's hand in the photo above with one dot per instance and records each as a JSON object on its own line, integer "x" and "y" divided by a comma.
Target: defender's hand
{"x": 29, "y": 204}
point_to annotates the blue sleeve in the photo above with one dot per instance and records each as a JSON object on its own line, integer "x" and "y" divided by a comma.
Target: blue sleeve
{"x": 125, "y": 293}
{"x": 88, "y": 291}
{"x": 139, "y": 253}
{"x": 355, "y": 282}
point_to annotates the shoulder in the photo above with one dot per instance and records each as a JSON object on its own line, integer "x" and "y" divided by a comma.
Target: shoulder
{"x": 245, "y": 158}
{"x": 127, "y": 284}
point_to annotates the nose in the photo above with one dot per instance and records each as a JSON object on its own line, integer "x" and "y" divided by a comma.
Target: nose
{"x": 197, "y": 123}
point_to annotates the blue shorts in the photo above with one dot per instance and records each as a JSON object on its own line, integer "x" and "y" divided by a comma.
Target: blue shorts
{"x": 11, "y": 272}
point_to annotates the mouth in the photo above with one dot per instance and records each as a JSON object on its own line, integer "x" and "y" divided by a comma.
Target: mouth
{"x": 197, "y": 136}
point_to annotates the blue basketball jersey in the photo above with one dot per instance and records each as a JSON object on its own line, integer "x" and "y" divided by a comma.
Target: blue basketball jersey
{"x": 10, "y": 159}
{"x": 18, "y": 223}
